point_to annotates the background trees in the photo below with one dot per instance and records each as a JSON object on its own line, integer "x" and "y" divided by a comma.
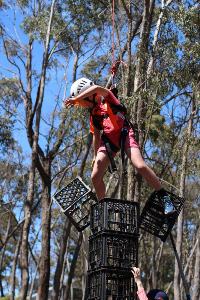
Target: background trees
{"x": 45, "y": 46}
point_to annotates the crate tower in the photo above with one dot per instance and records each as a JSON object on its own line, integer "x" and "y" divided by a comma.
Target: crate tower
{"x": 113, "y": 249}
{"x": 113, "y": 243}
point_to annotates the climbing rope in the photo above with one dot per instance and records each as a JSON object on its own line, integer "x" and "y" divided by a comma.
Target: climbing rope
{"x": 113, "y": 32}
{"x": 115, "y": 64}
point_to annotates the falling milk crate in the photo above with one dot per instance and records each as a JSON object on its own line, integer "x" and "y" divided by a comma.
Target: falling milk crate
{"x": 154, "y": 220}
{"x": 75, "y": 200}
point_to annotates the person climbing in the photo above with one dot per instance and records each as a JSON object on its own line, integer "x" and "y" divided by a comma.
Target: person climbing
{"x": 107, "y": 123}
{"x": 154, "y": 294}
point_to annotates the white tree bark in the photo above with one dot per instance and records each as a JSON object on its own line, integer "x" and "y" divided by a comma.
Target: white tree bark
{"x": 196, "y": 283}
{"x": 156, "y": 34}
{"x": 177, "y": 290}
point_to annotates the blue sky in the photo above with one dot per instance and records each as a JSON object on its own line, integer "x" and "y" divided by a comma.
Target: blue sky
{"x": 55, "y": 88}
{"x": 59, "y": 80}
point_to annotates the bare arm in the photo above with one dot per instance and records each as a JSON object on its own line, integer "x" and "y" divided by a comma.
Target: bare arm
{"x": 141, "y": 292}
{"x": 136, "y": 273}
{"x": 95, "y": 89}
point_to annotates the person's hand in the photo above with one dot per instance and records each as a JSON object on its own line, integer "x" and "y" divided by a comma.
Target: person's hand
{"x": 136, "y": 273}
{"x": 68, "y": 102}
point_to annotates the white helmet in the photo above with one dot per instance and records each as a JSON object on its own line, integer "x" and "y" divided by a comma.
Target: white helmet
{"x": 80, "y": 86}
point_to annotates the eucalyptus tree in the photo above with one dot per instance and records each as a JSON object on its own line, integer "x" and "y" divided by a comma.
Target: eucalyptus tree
{"x": 163, "y": 97}
{"x": 157, "y": 45}
{"x": 12, "y": 192}
{"x": 49, "y": 34}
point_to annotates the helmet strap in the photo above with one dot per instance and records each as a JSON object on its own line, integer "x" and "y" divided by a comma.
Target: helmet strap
{"x": 93, "y": 99}
{"x": 88, "y": 100}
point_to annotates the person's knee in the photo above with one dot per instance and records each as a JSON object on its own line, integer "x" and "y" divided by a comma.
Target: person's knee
{"x": 141, "y": 167}
{"x": 95, "y": 178}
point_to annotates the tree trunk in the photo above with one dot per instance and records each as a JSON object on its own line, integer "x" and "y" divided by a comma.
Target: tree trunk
{"x": 85, "y": 249}
{"x": 196, "y": 283}
{"x": 155, "y": 38}
{"x": 75, "y": 67}
{"x": 130, "y": 28}
{"x": 177, "y": 291}
{"x": 85, "y": 155}
{"x": 154, "y": 271}
{"x": 25, "y": 233}
{"x": 14, "y": 267}
{"x": 142, "y": 53}
{"x": 44, "y": 266}
{"x": 140, "y": 105}
{"x": 33, "y": 282}
{"x": 72, "y": 268}
{"x": 60, "y": 261}
{"x": 129, "y": 193}
{"x": 3, "y": 250}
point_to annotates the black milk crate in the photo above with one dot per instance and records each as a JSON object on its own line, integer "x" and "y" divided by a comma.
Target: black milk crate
{"x": 115, "y": 215}
{"x": 153, "y": 218}
{"x": 113, "y": 250}
{"x": 107, "y": 284}
{"x": 75, "y": 200}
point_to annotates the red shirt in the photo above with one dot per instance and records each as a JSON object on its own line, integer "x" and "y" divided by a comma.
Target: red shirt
{"x": 110, "y": 123}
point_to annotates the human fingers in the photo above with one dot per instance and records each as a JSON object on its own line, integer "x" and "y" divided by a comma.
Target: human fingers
{"x": 135, "y": 271}
{"x": 67, "y": 103}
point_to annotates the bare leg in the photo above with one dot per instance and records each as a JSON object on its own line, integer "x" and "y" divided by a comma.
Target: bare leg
{"x": 139, "y": 163}
{"x": 100, "y": 166}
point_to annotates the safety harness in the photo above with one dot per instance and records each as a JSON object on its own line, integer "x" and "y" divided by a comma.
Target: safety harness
{"x": 112, "y": 111}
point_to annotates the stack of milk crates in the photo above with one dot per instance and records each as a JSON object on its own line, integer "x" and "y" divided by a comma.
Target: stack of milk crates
{"x": 113, "y": 249}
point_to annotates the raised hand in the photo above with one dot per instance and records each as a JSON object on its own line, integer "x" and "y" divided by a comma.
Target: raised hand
{"x": 136, "y": 273}
{"x": 68, "y": 102}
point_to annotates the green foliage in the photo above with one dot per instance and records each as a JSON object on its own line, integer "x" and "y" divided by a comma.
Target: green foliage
{"x": 93, "y": 69}
{"x": 9, "y": 91}
{"x": 23, "y": 3}
{"x": 81, "y": 44}
{"x": 10, "y": 99}
{"x": 156, "y": 127}
{"x": 187, "y": 21}
{"x": 6, "y": 139}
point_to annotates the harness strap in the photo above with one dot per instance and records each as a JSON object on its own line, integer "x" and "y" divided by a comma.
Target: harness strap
{"x": 124, "y": 134}
{"x": 109, "y": 149}
{"x": 134, "y": 128}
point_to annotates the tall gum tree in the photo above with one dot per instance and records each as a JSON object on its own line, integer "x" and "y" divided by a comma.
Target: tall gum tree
{"x": 161, "y": 79}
